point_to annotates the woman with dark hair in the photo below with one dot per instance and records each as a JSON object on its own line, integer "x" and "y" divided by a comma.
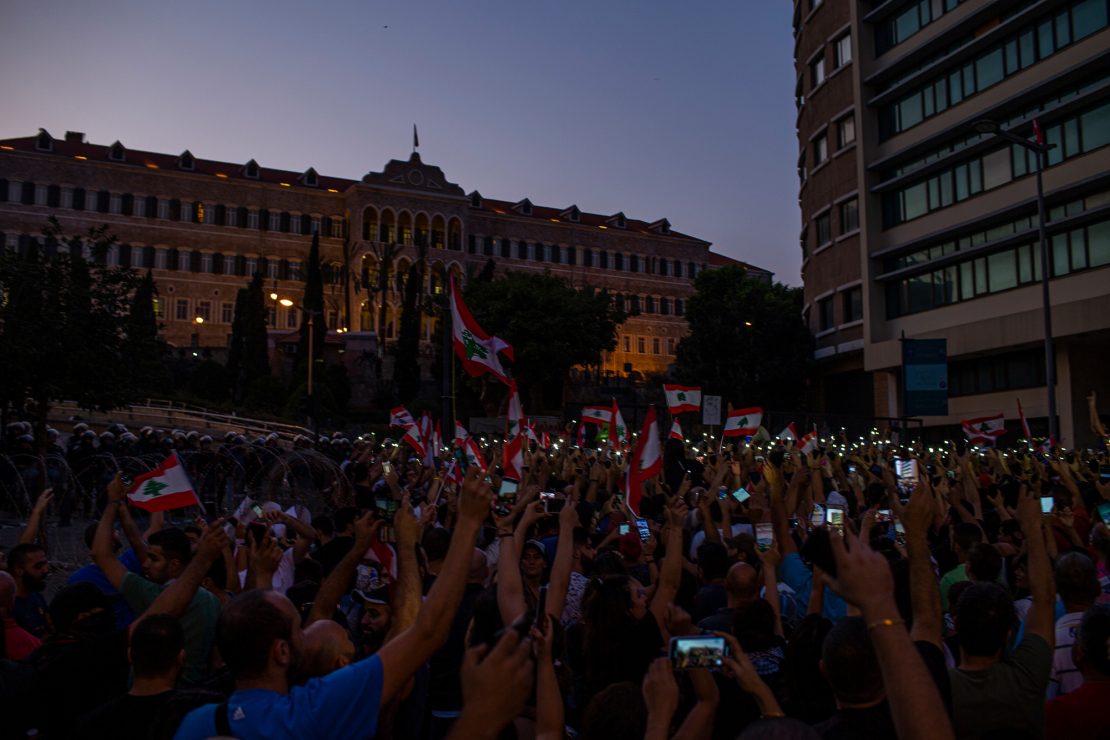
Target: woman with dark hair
{"x": 625, "y": 626}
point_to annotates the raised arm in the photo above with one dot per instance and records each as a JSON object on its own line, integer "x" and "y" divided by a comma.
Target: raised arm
{"x": 510, "y": 587}
{"x": 176, "y": 597}
{"x": 564, "y": 558}
{"x": 102, "y": 552}
{"x": 404, "y": 655}
{"x": 550, "y": 716}
{"x": 779, "y": 518}
{"x": 864, "y": 579}
{"x": 406, "y": 598}
{"x": 34, "y": 522}
{"x": 1041, "y": 619}
{"x": 670, "y": 572}
{"x": 917, "y": 516}
{"x": 339, "y": 580}
{"x": 131, "y": 531}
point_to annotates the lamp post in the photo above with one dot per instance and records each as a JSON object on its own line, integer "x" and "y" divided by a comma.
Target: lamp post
{"x": 310, "y": 397}
{"x": 197, "y": 321}
{"x": 987, "y": 126}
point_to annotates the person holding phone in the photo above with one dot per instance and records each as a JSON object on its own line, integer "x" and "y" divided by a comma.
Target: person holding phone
{"x": 624, "y": 629}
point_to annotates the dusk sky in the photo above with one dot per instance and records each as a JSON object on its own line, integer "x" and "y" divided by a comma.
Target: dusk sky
{"x": 651, "y": 107}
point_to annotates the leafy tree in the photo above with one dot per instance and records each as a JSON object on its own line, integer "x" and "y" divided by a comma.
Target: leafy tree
{"x": 64, "y": 326}
{"x": 150, "y": 370}
{"x": 248, "y": 356}
{"x": 551, "y": 325}
{"x": 747, "y": 341}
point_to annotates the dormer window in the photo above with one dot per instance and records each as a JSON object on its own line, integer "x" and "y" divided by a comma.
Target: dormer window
{"x": 475, "y": 199}
{"x": 44, "y": 142}
{"x": 309, "y": 178}
{"x": 250, "y": 169}
{"x": 117, "y": 153}
{"x": 571, "y": 214}
{"x": 523, "y": 207}
{"x": 662, "y": 226}
{"x": 186, "y": 161}
{"x": 617, "y": 221}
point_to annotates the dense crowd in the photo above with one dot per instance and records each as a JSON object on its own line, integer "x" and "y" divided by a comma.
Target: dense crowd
{"x": 863, "y": 590}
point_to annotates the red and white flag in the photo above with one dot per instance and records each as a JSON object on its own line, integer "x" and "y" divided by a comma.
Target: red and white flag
{"x": 513, "y": 463}
{"x": 676, "y": 431}
{"x": 477, "y": 350}
{"x": 461, "y": 434}
{"x": 386, "y": 556}
{"x": 1024, "y": 424}
{"x": 580, "y": 438}
{"x": 596, "y": 415}
{"x": 618, "y": 430}
{"x": 166, "y": 487}
{"x": 646, "y": 461}
{"x": 545, "y": 440}
{"x": 400, "y": 417}
{"x": 530, "y": 432}
{"x": 788, "y": 433}
{"x": 474, "y": 454}
{"x": 514, "y": 418}
{"x": 681, "y": 398}
{"x": 808, "y": 443}
{"x": 744, "y": 422}
{"x": 415, "y": 440}
{"x": 984, "y": 430}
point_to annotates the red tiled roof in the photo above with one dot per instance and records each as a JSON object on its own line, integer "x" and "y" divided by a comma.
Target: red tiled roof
{"x": 721, "y": 260}
{"x": 137, "y": 158}
{"x": 504, "y": 207}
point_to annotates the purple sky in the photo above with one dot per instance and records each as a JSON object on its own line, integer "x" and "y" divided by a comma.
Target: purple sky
{"x": 651, "y": 107}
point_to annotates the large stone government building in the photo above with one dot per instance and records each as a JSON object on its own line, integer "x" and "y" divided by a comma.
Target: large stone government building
{"x": 919, "y": 221}
{"x": 203, "y": 227}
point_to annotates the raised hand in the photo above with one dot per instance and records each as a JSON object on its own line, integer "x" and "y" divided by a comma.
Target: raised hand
{"x": 495, "y": 685}
{"x": 213, "y": 540}
{"x": 406, "y": 524}
{"x": 475, "y": 497}
{"x": 43, "y": 501}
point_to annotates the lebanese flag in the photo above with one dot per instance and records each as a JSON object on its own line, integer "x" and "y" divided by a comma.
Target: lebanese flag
{"x": 437, "y": 439}
{"x": 164, "y": 488}
{"x": 1024, "y": 424}
{"x": 545, "y": 440}
{"x": 453, "y": 473}
{"x": 676, "y": 431}
{"x": 618, "y": 432}
{"x": 513, "y": 463}
{"x": 808, "y": 443}
{"x": 514, "y": 419}
{"x": 477, "y": 350}
{"x": 384, "y": 553}
{"x": 474, "y": 453}
{"x": 596, "y": 415}
{"x": 788, "y": 433}
{"x": 681, "y": 398}
{"x": 400, "y": 417}
{"x": 743, "y": 423}
{"x": 984, "y": 430}
{"x": 415, "y": 440}
{"x": 461, "y": 435}
{"x": 530, "y": 432}
{"x": 647, "y": 460}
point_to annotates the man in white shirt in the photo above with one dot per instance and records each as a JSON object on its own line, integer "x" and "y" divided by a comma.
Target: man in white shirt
{"x": 1078, "y": 586}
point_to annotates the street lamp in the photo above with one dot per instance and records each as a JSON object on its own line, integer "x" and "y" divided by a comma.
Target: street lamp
{"x": 987, "y": 126}
{"x": 287, "y": 303}
{"x": 197, "y": 321}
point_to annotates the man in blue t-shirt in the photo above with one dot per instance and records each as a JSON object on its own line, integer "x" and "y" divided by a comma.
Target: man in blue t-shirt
{"x": 260, "y": 639}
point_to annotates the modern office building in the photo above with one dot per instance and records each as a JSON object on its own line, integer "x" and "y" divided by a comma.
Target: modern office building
{"x": 917, "y": 225}
{"x": 203, "y": 227}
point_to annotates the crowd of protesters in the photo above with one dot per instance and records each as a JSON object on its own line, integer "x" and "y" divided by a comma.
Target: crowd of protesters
{"x": 864, "y": 590}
